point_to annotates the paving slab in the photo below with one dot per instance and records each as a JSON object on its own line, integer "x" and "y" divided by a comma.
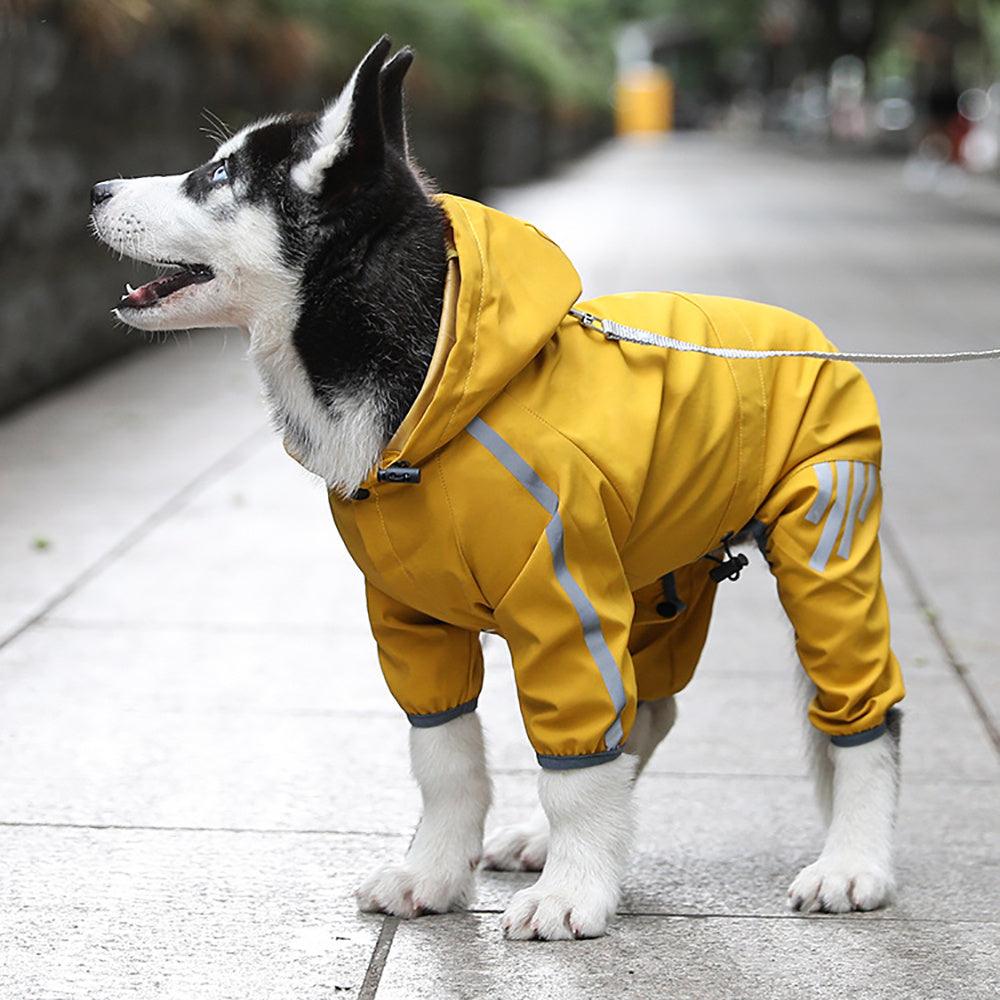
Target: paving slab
{"x": 257, "y": 546}
{"x": 216, "y": 770}
{"x": 463, "y": 957}
{"x": 86, "y": 465}
{"x": 203, "y": 671}
{"x": 176, "y": 915}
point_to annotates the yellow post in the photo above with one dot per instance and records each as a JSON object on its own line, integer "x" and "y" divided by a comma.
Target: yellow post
{"x": 644, "y": 101}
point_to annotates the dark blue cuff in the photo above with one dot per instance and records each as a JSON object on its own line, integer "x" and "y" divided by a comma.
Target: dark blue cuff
{"x": 554, "y": 762}
{"x": 857, "y": 739}
{"x": 440, "y": 718}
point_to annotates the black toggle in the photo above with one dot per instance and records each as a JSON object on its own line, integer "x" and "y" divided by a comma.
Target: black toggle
{"x": 401, "y": 472}
{"x": 729, "y": 568}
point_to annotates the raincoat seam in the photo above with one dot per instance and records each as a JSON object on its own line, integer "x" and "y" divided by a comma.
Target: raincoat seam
{"x": 739, "y": 396}
{"x": 577, "y": 448}
{"x": 454, "y": 527}
{"x": 539, "y": 541}
{"x": 475, "y": 330}
{"x": 759, "y": 499}
{"x": 388, "y": 538}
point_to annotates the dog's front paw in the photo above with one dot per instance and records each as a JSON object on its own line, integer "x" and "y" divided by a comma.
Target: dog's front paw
{"x": 839, "y": 884}
{"x": 410, "y": 892}
{"x": 543, "y": 914}
{"x": 518, "y": 848}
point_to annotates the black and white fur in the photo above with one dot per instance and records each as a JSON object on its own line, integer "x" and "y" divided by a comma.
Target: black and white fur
{"x": 318, "y": 236}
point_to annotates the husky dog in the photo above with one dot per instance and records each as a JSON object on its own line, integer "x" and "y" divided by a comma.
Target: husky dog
{"x": 319, "y": 237}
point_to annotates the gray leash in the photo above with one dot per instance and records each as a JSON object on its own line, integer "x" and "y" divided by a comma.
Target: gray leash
{"x": 619, "y": 331}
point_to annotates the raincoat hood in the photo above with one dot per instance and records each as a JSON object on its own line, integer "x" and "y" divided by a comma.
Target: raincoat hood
{"x": 514, "y": 287}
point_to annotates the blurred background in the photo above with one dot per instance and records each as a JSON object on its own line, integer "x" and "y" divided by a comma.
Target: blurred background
{"x": 501, "y": 93}
{"x": 189, "y": 694}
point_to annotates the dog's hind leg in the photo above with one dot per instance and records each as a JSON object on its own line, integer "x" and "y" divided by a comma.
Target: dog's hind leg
{"x": 438, "y": 872}
{"x": 653, "y": 721}
{"x": 854, "y": 870}
{"x": 524, "y": 846}
{"x": 817, "y": 753}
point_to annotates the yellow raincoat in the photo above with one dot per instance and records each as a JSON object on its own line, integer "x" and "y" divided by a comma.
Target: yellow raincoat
{"x": 570, "y": 489}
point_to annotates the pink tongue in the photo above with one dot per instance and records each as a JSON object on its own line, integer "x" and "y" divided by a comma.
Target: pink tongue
{"x": 143, "y": 295}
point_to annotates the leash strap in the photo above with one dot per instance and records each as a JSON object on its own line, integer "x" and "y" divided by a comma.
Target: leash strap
{"x": 619, "y": 331}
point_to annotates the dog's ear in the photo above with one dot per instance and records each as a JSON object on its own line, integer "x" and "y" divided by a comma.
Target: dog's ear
{"x": 349, "y": 141}
{"x": 393, "y": 113}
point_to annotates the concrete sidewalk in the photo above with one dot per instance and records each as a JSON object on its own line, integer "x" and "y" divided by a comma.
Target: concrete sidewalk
{"x": 199, "y": 761}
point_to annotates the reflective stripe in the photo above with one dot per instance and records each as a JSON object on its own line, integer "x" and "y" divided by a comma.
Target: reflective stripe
{"x": 836, "y": 519}
{"x": 870, "y": 487}
{"x": 824, "y": 477}
{"x": 593, "y": 636}
{"x": 844, "y": 549}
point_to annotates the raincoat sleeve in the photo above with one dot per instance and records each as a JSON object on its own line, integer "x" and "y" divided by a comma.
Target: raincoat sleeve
{"x": 567, "y": 618}
{"x": 433, "y": 669}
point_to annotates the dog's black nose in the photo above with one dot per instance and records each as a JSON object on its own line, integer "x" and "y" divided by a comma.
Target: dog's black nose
{"x": 101, "y": 192}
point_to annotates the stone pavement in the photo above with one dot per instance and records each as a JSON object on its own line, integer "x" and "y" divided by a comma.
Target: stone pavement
{"x": 198, "y": 760}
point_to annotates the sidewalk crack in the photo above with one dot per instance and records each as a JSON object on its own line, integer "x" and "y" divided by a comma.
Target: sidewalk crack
{"x": 380, "y": 954}
{"x": 933, "y": 619}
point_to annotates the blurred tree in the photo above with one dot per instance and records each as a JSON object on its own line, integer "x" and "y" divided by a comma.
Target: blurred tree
{"x": 552, "y": 50}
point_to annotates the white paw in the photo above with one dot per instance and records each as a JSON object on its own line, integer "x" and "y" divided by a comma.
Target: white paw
{"x": 411, "y": 892}
{"x": 839, "y": 884}
{"x": 517, "y": 848}
{"x": 540, "y": 914}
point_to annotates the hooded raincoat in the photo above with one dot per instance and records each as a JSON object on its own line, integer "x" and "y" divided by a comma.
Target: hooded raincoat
{"x": 573, "y": 491}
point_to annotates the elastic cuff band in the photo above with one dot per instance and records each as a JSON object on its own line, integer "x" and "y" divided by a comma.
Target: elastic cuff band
{"x": 857, "y": 739}
{"x": 433, "y": 719}
{"x": 554, "y": 762}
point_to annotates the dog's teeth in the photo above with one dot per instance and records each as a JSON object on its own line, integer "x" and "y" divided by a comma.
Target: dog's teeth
{"x": 128, "y": 289}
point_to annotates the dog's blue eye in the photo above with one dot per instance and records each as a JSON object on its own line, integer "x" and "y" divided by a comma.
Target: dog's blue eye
{"x": 221, "y": 174}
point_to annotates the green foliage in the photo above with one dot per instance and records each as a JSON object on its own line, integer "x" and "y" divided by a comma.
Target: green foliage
{"x": 554, "y": 51}
{"x": 989, "y": 18}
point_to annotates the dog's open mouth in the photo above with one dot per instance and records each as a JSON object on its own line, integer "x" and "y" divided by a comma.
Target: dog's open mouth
{"x": 148, "y": 295}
